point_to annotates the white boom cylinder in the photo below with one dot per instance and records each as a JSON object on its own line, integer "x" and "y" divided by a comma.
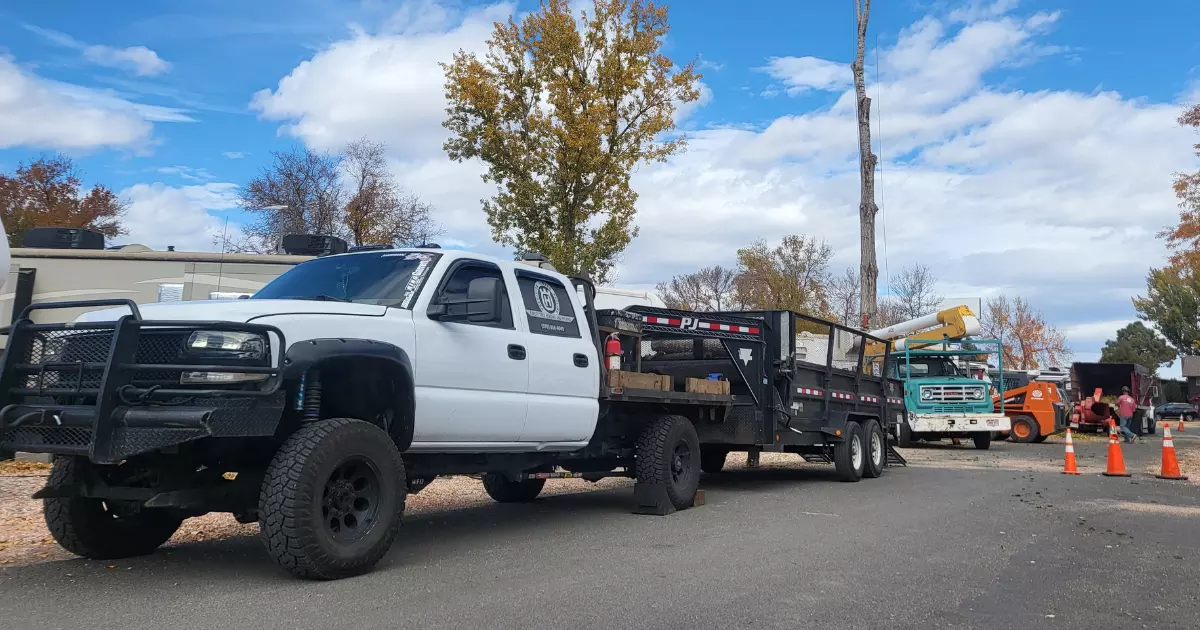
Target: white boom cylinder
{"x": 949, "y": 317}
{"x": 910, "y": 326}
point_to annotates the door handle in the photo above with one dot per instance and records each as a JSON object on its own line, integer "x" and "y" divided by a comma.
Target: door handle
{"x": 516, "y": 352}
{"x": 581, "y": 360}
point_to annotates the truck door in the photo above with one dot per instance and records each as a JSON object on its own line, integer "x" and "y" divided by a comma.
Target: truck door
{"x": 564, "y": 378}
{"x": 471, "y": 377}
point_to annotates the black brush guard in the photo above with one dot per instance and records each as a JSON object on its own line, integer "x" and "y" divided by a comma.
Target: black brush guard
{"x": 114, "y": 391}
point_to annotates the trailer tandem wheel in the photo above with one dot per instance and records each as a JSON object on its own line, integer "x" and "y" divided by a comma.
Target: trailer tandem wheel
{"x": 849, "y": 456}
{"x": 876, "y": 449}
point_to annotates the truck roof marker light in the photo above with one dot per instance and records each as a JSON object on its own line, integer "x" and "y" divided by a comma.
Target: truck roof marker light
{"x": 838, "y": 433}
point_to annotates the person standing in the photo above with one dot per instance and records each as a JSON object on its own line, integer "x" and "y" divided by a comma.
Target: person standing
{"x": 1126, "y": 407}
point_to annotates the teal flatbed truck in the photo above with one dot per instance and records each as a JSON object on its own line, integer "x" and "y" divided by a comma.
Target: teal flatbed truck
{"x": 943, "y": 398}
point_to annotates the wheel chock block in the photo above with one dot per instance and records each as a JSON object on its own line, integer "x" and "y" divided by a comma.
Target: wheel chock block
{"x": 699, "y": 500}
{"x": 651, "y": 498}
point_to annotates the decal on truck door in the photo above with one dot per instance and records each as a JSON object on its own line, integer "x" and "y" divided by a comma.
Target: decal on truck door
{"x": 547, "y": 305}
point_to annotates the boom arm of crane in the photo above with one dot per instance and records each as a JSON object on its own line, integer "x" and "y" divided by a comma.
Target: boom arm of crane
{"x": 951, "y": 324}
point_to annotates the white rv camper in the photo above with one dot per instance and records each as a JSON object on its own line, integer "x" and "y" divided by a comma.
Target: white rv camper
{"x": 61, "y": 270}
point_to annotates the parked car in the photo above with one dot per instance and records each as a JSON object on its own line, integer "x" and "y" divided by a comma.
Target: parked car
{"x": 1187, "y": 411}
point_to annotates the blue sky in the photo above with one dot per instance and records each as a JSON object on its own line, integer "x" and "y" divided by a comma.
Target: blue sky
{"x": 1027, "y": 146}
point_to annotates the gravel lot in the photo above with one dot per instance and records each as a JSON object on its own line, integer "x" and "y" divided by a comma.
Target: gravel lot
{"x": 24, "y": 539}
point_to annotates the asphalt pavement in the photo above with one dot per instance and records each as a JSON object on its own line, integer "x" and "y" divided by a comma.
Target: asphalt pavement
{"x": 960, "y": 539}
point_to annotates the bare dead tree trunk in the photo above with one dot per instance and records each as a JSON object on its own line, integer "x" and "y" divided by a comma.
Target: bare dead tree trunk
{"x": 869, "y": 268}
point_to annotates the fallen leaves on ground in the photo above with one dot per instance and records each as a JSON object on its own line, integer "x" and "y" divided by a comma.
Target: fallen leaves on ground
{"x": 22, "y": 467}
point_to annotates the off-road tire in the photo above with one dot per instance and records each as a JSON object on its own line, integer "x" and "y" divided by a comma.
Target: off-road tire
{"x": 1031, "y": 433}
{"x": 848, "y": 465}
{"x": 712, "y": 460}
{"x": 1041, "y": 438}
{"x": 668, "y": 454}
{"x": 982, "y": 440}
{"x": 505, "y": 490}
{"x": 86, "y": 527}
{"x": 292, "y": 523}
{"x": 875, "y": 452}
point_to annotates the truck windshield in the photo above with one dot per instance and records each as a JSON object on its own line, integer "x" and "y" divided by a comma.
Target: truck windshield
{"x": 387, "y": 278}
{"x": 925, "y": 368}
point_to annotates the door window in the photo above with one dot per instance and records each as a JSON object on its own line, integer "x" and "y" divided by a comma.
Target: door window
{"x": 455, "y": 287}
{"x": 547, "y": 306}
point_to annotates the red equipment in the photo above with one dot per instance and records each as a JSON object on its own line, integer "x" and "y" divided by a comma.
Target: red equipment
{"x": 1107, "y": 379}
{"x": 612, "y": 352}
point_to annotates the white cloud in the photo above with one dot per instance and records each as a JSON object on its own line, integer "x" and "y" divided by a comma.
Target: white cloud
{"x": 160, "y": 216}
{"x": 975, "y": 10}
{"x": 137, "y": 59}
{"x": 186, "y": 173}
{"x": 1097, "y": 332}
{"x": 1054, "y": 195}
{"x": 801, "y": 74}
{"x": 45, "y": 114}
{"x": 387, "y": 86}
{"x": 234, "y": 155}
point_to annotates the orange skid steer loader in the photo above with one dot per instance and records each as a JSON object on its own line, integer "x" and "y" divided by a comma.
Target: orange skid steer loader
{"x": 1036, "y": 411}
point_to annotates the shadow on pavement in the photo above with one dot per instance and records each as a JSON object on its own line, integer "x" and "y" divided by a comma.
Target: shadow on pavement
{"x": 244, "y": 557}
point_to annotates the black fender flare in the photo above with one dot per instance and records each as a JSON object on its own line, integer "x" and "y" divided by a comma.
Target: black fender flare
{"x": 304, "y": 355}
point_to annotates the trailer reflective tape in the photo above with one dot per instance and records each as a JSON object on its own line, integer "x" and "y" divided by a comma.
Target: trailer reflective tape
{"x": 873, "y": 399}
{"x": 807, "y": 391}
{"x": 842, "y": 396}
{"x": 727, "y": 328}
{"x": 691, "y": 324}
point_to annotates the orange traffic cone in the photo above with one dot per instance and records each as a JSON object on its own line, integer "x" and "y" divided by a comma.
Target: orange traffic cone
{"x": 1069, "y": 468}
{"x": 1116, "y": 461}
{"x": 1181, "y": 424}
{"x": 1170, "y": 465}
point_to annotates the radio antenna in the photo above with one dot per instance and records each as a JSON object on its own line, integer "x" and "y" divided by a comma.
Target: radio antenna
{"x": 224, "y": 245}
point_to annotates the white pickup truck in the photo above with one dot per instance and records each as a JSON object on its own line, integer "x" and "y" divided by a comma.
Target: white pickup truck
{"x": 315, "y": 406}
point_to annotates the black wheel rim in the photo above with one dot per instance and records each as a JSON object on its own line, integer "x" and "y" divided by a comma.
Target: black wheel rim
{"x": 350, "y": 500}
{"x": 681, "y": 462}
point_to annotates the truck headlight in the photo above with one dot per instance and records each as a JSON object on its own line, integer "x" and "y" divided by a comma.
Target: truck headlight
{"x": 225, "y": 345}
{"x": 926, "y": 394}
{"x": 977, "y": 394}
{"x": 228, "y": 344}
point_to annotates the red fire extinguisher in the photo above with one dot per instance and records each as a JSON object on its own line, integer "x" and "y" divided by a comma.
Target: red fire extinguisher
{"x": 612, "y": 352}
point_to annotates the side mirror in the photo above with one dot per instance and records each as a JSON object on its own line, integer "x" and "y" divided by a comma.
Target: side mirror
{"x": 484, "y": 300}
{"x": 483, "y": 303}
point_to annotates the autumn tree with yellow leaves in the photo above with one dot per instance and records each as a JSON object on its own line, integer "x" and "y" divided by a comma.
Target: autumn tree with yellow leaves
{"x": 561, "y": 109}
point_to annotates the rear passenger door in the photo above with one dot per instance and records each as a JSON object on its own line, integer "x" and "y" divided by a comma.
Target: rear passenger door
{"x": 471, "y": 377}
{"x": 563, "y": 376}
